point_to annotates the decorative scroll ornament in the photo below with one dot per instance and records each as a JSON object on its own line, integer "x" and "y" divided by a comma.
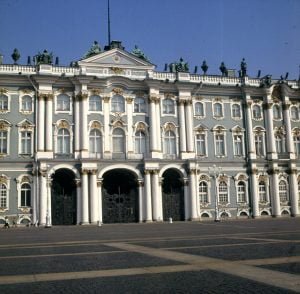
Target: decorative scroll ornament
{"x": 169, "y": 95}
{"x": 63, "y": 124}
{"x": 26, "y": 91}
{"x": 242, "y": 178}
{"x": 3, "y": 180}
{"x": 96, "y": 91}
{"x": 204, "y": 178}
{"x": 25, "y": 179}
{"x": 170, "y": 127}
{"x": 141, "y": 127}
{"x": 4, "y": 126}
{"x": 117, "y": 91}
{"x": 3, "y": 91}
{"x": 117, "y": 70}
{"x": 96, "y": 125}
{"x": 198, "y": 97}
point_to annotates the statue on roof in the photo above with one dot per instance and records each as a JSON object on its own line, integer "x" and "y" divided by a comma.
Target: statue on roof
{"x": 44, "y": 58}
{"x": 139, "y": 53}
{"x": 243, "y": 68}
{"x": 180, "y": 66}
{"x": 223, "y": 69}
{"x": 95, "y": 49}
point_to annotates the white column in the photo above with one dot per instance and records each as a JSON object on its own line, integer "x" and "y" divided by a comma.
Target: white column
{"x": 34, "y": 197}
{"x": 77, "y": 125}
{"x": 189, "y": 126}
{"x": 107, "y": 148}
{"x": 249, "y": 131}
{"x": 254, "y": 193}
{"x": 94, "y": 203}
{"x": 148, "y": 216}
{"x": 41, "y": 123}
{"x": 153, "y": 129}
{"x": 187, "y": 214}
{"x": 130, "y": 140}
{"x": 157, "y": 127}
{"x": 271, "y": 147}
{"x": 182, "y": 127}
{"x": 288, "y": 128}
{"x": 49, "y": 210}
{"x": 193, "y": 198}
{"x": 43, "y": 199}
{"x": 49, "y": 127}
{"x": 157, "y": 215}
{"x": 294, "y": 193}
{"x": 84, "y": 126}
{"x": 84, "y": 198}
{"x": 275, "y": 193}
{"x": 78, "y": 202}
{"x": 141, "y": 204}
{"x": 100, "y": 213}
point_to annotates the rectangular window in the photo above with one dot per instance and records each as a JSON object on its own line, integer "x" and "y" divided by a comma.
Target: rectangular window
{"x": 238, "y": 145}
{"x": 201, "y": 145}
{"x": 262, "y": 192}
{"x": 3, "y": 142}
{"x": 220, "y": 145}
{"x": 26, "y": 143}
{"x": 259, "y": 146}
{"x": 3, "y": 196}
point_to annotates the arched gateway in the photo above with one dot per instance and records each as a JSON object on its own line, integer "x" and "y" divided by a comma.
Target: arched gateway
{"x": 120, "y": 197}
{"x": 63, "y": 198}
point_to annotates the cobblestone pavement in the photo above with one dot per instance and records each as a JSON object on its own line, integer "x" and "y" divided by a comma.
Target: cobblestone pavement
{"x": 247, "y": 256}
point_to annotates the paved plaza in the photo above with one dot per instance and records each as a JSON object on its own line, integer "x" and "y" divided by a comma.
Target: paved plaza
{"x": 245, "y": 256}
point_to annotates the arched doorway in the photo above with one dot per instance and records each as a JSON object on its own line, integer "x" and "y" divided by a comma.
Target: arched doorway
{"x": 173, "y": 196}
{"x": 63, "y": 198}
{"x": 120, "y": 197}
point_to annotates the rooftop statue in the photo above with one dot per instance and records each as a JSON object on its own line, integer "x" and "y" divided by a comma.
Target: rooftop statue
{"x": 44, "y": 58}
{"x": 243, "y": 71}
{"x": 223, "y": 69}
{"x": 180, "y": 66}
{"x": 15, "y": 55}
{"x": 95, "y": 49}
{"x": 139, "y": 53}
{"x": 204, "y": 67}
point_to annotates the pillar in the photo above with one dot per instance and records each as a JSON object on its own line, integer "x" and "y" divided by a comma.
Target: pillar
{"x": 100, "y": 213}
{"x": 189, "y": 126}
{"x": 49, "y": 127}
{"x": 84, "y": 124}
{"x": 148, "y": 200}
{"x": 94, "y": 204}
{"x": 193, "y": 198}
{"x": 78, "y": 201}
{"x": 182, "y": 127}
{"x": 288, "y": 128}
{"x": 41, "y": 122}
{"x": 158, "y": 128}
{"x": 156, "y": 207}
{"x": 254, "y": 193}
{"x": 141, "y": 203}
{"x": 249, "y": 131}
{"x": 77, "y": 125}
{"x": 294, "y": 193}
{"x": 43, "y": 198}
{"x": 84, "y": 198}
{"x": 106, "y": 114}
{"x": 275, "y": 193}
{"x": 130, "y": 135}
{"x": 153, "y": 128}
{"x": 187, "y": 215}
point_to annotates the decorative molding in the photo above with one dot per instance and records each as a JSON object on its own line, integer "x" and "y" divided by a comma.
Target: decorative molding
{"x": 96, "y": 91}
{"x": 117, "y": 70}
{"x": 118, "y": 91}
{"x": 3, "y": 91}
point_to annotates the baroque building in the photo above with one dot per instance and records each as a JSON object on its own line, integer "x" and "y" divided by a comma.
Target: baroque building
{"x": 110, "y": 139}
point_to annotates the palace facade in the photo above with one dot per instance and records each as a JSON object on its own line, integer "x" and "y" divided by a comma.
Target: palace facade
{"x": 110, "y": 140}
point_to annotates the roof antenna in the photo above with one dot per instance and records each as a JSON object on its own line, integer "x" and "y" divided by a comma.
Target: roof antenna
{"x": 108, "y": 20}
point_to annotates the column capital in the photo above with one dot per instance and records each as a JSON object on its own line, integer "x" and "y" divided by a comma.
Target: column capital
{"x": 106, "y": 99}
{"x": 77, "y": 183}
{"x": 140, "y": 183}
{"x": 93, "y": 171}
{"x": 81, "y": 96}
{"x": 129, "y": 100}
{"x": 154, "y": 99}
{"x": 268, "y": 104}
{"x": 45, "y": 96}
{"x": 84, "y": 171}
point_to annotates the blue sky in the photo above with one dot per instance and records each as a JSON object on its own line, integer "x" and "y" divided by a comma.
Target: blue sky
{"x": 265, "y": 32}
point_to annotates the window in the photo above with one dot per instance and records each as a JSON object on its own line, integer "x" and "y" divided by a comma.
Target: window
{"x": 140, "y": 142}
{"x": 63, "y": 103}
{"x": 117, "y": 103}
{"x": 218, "y": 110}
{"x": 199, "y": 109}
{"x": 256, "y": 111}
{"x": 3, "y": 142}
{"x": 283, "y": 195}
{"x": 139, "y": 105}
{"x": 201, "y": 144}
{"x": 3, "y": 102}
{"x": 26, "y": 143}
{"x": 63, "y": 141}
{"x": 26, "y": 103}
{"x": 118, "y": 141}
{"x": 276, "y": 112}
{"x": 170, "y": 143}
{"x": 203, "y": 192}
{"x": 297, "y": 145}
{"x": 294, "y": 112}
{"x": 95, "y": 103}
{"x": 259, "y": 144}
{"x": 223, "y": 192}
{"x": 241, "y": 192}
{"x": 238, "y": 145}
{"x": 25, "y": 195}
{"x": 3, "y": 196}
{"x": 95, "y": 141}
{"x": 168, "y": 106}
{"x": 220, "y": 145}
{"x": 262, "y": 192}
{"x": 236, "y": 111}
{"x": 280, "y": 143}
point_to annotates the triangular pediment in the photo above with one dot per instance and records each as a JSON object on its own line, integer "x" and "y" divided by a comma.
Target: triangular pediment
{"x": 116, "y": 58}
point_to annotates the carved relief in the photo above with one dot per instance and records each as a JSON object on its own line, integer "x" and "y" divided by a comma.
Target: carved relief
{"x": 63, "y": 124}
{"x": 3, "y": 91}
{"x": 4, "y": 126}
{"x": 95, "y": 125}
{"x": 118, "y": 91}
{"x": 276, "y": 93}
{"x": 117, "y": 70}
{"x": 96, "y": 91}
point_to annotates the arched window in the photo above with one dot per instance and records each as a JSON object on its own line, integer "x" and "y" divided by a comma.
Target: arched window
{"x": 241, "y": 192}
{"x": 283, "y": 195}
{"x": 223, "y": 192}
{"x": 3, "y": 102}
{"x": 276, "y": 112}
{"x": 95, "y": 141}
{"x": 262, "y": 191}
{"x": 3, "y": 196}
{"x": 25, "y": 195}
{"x": 26, "y": 103}
{"x": 118, "y": 141}
{"x": 236, "y": 111}
{"x": 3, "y": 142}
{"x": 256, "y": 111}
{"x": 117, "y": 103}
{"x": 199, "y": 109}
{"x": 168, "y": 106}
{"x": 170, "y": 143}
{"x": 294, "y": 112}
{"x": 63, "y": 103}
{"x": 203, "y": 192}
{"x": 63, "y": 141}
{"x": 95, "y": 103}
{"x": 140, "y": 142}
{"x": 218, "y": 110}
{"x": 139, "y": 105}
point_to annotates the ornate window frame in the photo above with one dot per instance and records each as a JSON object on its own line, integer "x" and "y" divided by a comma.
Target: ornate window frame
{"x": 141, "y": 127}
{"x": 169, "y": 126}
{"x": 203, "y": 178}
{"x": 296, "y": 141}
{"x": 21, "y": 109}
{"x": 263, "y": 177}
{"x": 199, "y": 116}
{"x": 139, "y": 112}
{"x": 280, "y": 140}
{"x": 226, "y": 179}
{"x": 260, "y": 131}
{"x": 66, "y": 111}
{"x": 118, "y": 106}
{"x": 297, "y": 111}
{"x": 240, "y": 111}
{"x": 5, "y": 180}
{"x": 277, "y": 112}
{"x": 63, "y": 124}
{"x": 241, "y": 177}
{"x": 163, "y": 102}
{"x": 254, "y": 105}
{"x": 25, "y": 126}
{"x": 220, "y": 130}
{"x": 216, "y": 115}
{"x": 100, "y": 103}
{"x": 6, "y": 127}
{"x": 238, "y": 131}
{"x": 24, "y": 179}
{"x": 96, "y": 125}
{"x": 201, "y": 130}
{"x": 4, "y": 94}
{"x": 283, "y": 177}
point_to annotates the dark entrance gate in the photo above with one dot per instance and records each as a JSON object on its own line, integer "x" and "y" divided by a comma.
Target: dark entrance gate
{"x": 63, "y": 200}
{"x": 120, "y": 197}
{"x": 173, "y": 196}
